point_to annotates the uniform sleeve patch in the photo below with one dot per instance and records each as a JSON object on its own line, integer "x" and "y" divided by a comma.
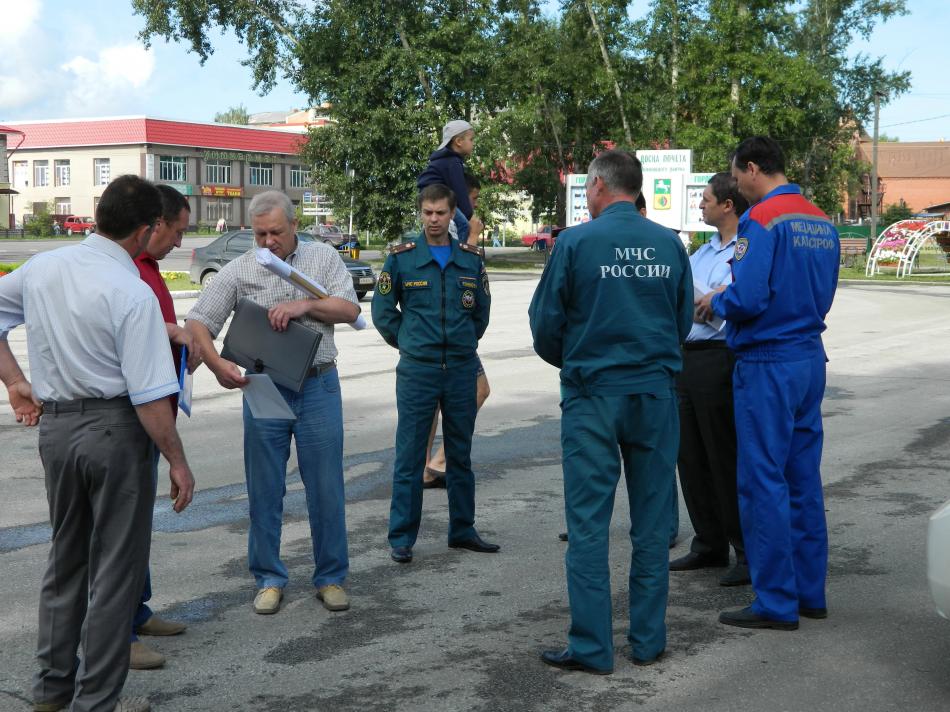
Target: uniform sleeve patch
{"x": 384, "y": 284}
{"x": 468, "y": 299}
{"x": 485, "y": 282}
{"x": 742, "y": 246}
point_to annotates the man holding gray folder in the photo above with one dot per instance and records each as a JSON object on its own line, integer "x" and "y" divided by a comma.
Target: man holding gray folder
{"x": 318, "y": 428}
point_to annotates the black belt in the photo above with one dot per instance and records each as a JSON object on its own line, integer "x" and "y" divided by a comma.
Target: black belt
{"x": 81, "y": 405}
{"x": 321, "y": 368}
{"x": 704, "y": 345}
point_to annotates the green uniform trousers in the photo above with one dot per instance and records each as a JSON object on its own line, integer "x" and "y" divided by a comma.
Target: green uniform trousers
{"x": 420, "y": 388}
{"x": 597, "y": 432}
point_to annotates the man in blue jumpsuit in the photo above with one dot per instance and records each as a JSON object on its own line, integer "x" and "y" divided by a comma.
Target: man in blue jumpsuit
{"x": 785, "y": 272}
{"x": 611, "y": 310}
{"x": 432, "y": 303}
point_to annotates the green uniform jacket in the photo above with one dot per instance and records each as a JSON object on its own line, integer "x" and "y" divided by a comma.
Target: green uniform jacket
{"x": 614, "y": 304}
{"x": 428, "y": 313}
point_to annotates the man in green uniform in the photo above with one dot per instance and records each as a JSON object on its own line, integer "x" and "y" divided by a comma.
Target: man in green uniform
{"x": 432, "y": 302}
{"x": 612, "y": 308}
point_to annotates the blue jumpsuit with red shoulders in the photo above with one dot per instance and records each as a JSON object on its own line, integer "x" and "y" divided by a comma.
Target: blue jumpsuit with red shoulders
{"x": 785, "y": 272}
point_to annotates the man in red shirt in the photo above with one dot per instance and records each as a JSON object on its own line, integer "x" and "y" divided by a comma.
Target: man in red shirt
{"x": 176, "y": 214}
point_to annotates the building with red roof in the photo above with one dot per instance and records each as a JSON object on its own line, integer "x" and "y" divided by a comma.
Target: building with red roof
{"x": 66, "y": 163}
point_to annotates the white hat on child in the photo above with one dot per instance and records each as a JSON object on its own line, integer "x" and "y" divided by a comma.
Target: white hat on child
{"x": 453, "y": 129}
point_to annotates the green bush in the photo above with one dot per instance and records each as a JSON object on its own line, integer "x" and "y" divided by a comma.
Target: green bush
{"x": 41, "y": 224}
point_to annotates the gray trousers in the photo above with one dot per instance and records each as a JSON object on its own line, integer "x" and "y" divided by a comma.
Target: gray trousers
{"x": 98, "y": 463}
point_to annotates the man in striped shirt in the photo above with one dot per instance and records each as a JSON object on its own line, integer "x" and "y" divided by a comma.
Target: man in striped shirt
{"x": 318, "y": 429}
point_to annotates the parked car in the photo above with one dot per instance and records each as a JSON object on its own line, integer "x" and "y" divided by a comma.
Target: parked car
{"x": 332, "y": 235}
{"x": 543, "y": 239}
{"x": 76, "y": 224}
{"x": 207, "y": 261}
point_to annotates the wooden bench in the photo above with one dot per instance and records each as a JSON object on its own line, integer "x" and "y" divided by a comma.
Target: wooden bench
{"x": 851, "y": 249}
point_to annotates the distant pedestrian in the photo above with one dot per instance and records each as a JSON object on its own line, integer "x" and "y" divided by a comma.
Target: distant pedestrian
{"x": 222, "y": 225}
{"x": 785, "y": 272}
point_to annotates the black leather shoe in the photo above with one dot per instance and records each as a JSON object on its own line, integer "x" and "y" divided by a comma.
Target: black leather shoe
{"x": 401, "y": 554}
{"x": 692, "y": 561}
{"x": 562, "y": 536}
{"x": 475, "y": 543}
{"x": 747, "y": 618}
{"x": 562, "y": 659}
{"x": 643, "y": 662}
{"x": 738, "y": 575}
{"x": 817, "y": 613}
{"x": 437, "y": 481}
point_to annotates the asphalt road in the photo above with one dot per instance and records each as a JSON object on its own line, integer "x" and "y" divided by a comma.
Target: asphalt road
{"x": 461, "y": 631}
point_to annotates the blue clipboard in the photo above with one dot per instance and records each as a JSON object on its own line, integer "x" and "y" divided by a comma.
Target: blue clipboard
{"x": 185, "y": 384}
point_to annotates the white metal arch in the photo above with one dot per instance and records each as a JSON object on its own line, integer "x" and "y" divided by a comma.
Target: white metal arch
{"x": 916, "y": 241}
{"x": 903, "y": 231}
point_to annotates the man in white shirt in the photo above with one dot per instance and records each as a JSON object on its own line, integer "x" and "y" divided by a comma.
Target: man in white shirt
{"x": 99, "y": 383}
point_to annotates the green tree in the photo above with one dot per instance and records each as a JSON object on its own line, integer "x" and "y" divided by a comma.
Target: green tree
{"x": 894, "y": 212}
{"x": 234, "y": 115}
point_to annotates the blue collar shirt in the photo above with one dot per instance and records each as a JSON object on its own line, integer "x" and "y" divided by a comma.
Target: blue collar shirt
{"x": 711, "y": 267}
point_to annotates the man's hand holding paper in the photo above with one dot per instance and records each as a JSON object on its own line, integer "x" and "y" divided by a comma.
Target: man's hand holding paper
{"x": 703, "y": 301}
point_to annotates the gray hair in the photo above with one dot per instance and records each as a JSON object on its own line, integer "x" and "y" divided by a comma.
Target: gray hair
{"x": 620, "y": 171}
{"x": 263, "y": 203}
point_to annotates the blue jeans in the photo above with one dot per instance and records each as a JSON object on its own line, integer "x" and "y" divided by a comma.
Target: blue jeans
{"x": 461, "y": 224}
{"x": 318, "y": 433}
{"x": 143, "y": 612}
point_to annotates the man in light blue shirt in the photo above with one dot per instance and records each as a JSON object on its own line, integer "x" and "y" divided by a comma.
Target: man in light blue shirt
{"x": 100, "y": 383}
{"x": 707, "y": 455}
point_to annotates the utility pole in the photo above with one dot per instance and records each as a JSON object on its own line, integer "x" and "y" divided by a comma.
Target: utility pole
{"x": 877, "y": 115}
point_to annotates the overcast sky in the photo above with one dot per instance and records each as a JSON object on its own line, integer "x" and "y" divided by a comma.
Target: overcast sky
{"x": 61, "y": 58}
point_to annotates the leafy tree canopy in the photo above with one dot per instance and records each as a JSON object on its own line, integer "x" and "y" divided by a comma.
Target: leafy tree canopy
{"x": 547, "y": 90}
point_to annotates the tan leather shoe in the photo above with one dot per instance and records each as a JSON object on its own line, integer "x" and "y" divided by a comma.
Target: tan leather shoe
{"x": 133, "y": 704}
{"x": 144, "y": 658}
{"x": 267, "y": 600}
{"x": 49, "y": 706}
{"x": 334, "y": 597}
{"x": 160, "y": 626}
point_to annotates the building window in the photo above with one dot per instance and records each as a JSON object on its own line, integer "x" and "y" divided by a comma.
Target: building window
{"x": 217, "y": 209}
{"x": 102, "y": 171}
{"x": 171, "y": 169}
{"x": 218, "y": 172}
{"x": 40, "y": 174}
{"x": 21, "y": 174}
{"x": 261, "y": 173}
{"x": 63, "y": 206}
{"x": 299, "y": 177}
{"x": 61, "y": 172}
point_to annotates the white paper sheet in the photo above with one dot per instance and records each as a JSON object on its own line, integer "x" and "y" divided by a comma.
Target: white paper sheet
{"x": 269, "y": 261}
{"x": 264, "y": 400}
{"x": 700, "y": 290}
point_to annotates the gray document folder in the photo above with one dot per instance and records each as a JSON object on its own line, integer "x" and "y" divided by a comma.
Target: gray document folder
{"x": 285, "y": 356}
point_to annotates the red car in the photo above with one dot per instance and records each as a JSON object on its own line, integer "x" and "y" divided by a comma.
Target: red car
{"x": 543, "y": 239}
{"x": 76, "y": 224}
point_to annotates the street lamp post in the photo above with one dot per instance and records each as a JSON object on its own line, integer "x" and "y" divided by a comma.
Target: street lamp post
{"x": 877, "y": 113}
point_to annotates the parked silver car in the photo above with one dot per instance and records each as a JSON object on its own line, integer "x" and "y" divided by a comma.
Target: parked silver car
{"x": 207, "y": 261}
